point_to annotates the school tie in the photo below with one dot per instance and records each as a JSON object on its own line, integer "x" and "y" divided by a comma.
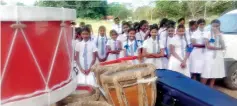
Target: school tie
{"x": 154, "y": 50}
{"x": 115, "y": 48}
{"x": 132, "y": 51}
{"x": 102, "y": 46}
{"x": 182, "y": 47}
{"x": 85, "y": 57}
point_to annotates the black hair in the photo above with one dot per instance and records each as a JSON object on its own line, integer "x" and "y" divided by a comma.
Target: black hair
{"x": 87, "y": 29}
{"x": 163, "y": 22}
{"x": 170, "y": 23}
{"x": 154, "y": 26}
{"x": 142, "y": 22}
{"x": 170, "y": 26}
{"x": 116, "y": 18}
{"x": 201, "y": 21}
{"x": 215, "y": 21}
{"x": 131, "y": 29}
{"x": 82, "y": 23}
{"x": 113, "y": 31}
{"x": 136, "y": 25}
{"x": 191, "y": 23}
{"x": 78, "y": 30}
{"x": 126, "y": 23}
{"x": 181, "y": 19}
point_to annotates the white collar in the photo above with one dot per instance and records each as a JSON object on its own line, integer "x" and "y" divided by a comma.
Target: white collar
{"x": 130, "y": 42}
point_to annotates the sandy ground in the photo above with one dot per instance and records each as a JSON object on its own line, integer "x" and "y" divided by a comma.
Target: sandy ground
{"x": 227, "y": 91}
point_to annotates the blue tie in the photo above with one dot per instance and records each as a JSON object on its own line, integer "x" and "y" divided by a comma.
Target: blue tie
{"x": 102, "y": 46}
{"x": 115, "y": 48}
{"x": 85, "y": 57}
{"x": 132, "y": 51}
{"x": 182, "y": 47}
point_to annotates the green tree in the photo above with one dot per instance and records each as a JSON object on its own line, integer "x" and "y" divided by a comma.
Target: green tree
{"x": 85, "y": 9}
{"x": 118, "y": 10}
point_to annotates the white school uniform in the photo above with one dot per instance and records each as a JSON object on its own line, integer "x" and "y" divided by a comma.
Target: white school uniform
{"x": 122, "y": 37}
{"x": 114, "y": 45}
{"x": 117, "y": 28}
{"x": 189, "y": 33}
{"x": 180, "y": 48}
{"x": 131, "y": 51}
{"x": 140, "y": 35}
{"x": 197, "y": 61}
{"x": 165, "y": 60}
{"x": 74, "y": 42}
{"x": 100, "y": 43}
{"x": 86, "y": 50}
{"x": 153, "y": 46}
{"x": 214, "y": 60}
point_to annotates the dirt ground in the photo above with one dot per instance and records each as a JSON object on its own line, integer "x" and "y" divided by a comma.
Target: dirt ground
{"x": 227, "y": 91}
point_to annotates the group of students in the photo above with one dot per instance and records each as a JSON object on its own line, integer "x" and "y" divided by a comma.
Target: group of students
{"x": 188, "y": 51}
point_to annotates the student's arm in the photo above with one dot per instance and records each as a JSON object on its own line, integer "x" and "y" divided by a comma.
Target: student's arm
{"x": 147, "y": 55}
{"x": 208, "y": 46}
{"x": 172, "y": 50}
{"x": 159, "y": 55}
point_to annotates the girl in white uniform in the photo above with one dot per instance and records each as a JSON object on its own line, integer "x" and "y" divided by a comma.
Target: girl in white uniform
{"x": 179, "y": 52}
{"x": 197, "y": 61}
{"x": 86, "y": 55}
{"x": 143, "y": 30}
{"x": 123, "y": 37}
{"x": 153, "y": 49}
{"x": 214, "y": 57}
{"x": 169, "y": 36}
{"x": 100, "y": 42}
{"x": 132, "y": 47}
{"x": 113, "y": 46}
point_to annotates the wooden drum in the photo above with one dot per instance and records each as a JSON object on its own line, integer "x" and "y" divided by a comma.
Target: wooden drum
{"x": 132, "y": 85}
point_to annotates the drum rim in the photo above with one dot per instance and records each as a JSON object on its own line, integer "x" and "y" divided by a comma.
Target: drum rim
{"x": 34, "y": 13}
{"x": 110, "y": 79}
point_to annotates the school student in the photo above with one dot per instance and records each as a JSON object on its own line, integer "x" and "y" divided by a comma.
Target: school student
{"x": 169, "y": 35}
{"x": 181, "y": 21}
{"x": 117, "y": 26}
{"x": 91, "y": 30}
{"x": 113, "y": 46}
{"x": 123, "y": 37}
{"x": 86, "y": 56}
{"x": 163, "y": 25}
{"x": 214, "y": 57}
{"x": 197, "y": 56}
{"x": 132, "y": 47}
{"x": 143, "y": 30}
{"x": 100, "y": 42}
{"x": 153, "y": 48}
{"x": 179, "y": 52}
{"x": 192, "y": 28}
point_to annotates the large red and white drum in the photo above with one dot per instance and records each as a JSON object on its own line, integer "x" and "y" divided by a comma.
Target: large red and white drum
{"x": 36, "y": 55}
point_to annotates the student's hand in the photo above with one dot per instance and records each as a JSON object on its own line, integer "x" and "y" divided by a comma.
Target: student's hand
{"x": 183, "y": 64}
{"x": 83, "y": 71}
{"x": 87, "y": 72}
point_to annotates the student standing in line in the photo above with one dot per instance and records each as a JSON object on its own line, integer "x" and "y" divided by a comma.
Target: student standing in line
{"x": 85, "y": 57}
{"x": 169, "y": 35}
{"x": 123, "y": 37}
{"x": 100, "y": 42}
{"x": 192, "y": 28}
{"x": 92, "y": 36}
{"x": 132, "y": 47}
{"x": 153, "y": 48}
{"x": 197, "y": 56}
{"x": 214, "y": 56}
{"x": 179, "y": 52}
{"x": 143, "y": 30}
{"x": 113, "y": 46}
{"x": 117, "y": 26}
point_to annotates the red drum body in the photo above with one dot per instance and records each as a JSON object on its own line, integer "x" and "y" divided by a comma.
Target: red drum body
{"x": 36, "y": 55}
